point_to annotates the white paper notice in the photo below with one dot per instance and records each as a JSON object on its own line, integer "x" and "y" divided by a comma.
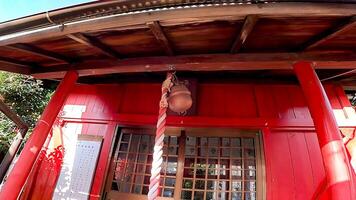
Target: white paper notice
{"x": 78, "y": 169}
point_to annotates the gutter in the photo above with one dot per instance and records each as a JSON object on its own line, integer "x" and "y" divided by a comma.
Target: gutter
{"x": 105, "y": 8}
{"x": 58, "y": 16}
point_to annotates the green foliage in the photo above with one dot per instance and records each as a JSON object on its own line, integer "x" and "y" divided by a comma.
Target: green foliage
{"x": 24, "y": 95}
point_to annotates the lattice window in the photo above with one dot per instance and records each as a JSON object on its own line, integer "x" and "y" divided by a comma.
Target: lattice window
{"x": 203, "y": 168}
{"x": 133, "y": 158}
{"x": 219, "y": 168}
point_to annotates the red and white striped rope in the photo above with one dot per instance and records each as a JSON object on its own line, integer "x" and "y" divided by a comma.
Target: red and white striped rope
{"x": 157, "y": 161}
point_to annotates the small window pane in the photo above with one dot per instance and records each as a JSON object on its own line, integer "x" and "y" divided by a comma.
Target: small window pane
{"x": 248, "y": 142}
{"x": 223, "y": 195}
{"x": 126, "y": 137}
{"x": 173, "y": 150}
{"x": 225, "y": 152}
{"x": 170, "y": 182}
{"x": 236, "y": 196}
{"x": 203, "y": 142}
{"x": 250, "y": 186}
{"x": 213, "y": 151}
{"x": 236, "y": 152}
{"x": 137, "y": 189}
{"x": 190, "y": 141}
{"x": 190, "y": 150}
{"x": 210, "y": 196}
{"x": 174, "y": 140}
{"x": 186, "y": 195}
{"x": 250, "y": 196}
{"x": 213, "y": 142}
{"x": 235, "y": 142}
{"x": 138, "y": 179}
{"x": 226, "y": 142}
{"x": 212, "y": 185}
{"x": 124, "y": 147}
{"x": 236, "y": 186}
{"x": 200, "y": 184}
{"x": 249, "y": 153}
{"x": 168, "y": 192}
{"x": 250, "y": 174}
{"x": 187, "y": 184}
{"x": 198, "y": 195}
{"x": 188, "y": 173}
{"x": 134, "y": 143}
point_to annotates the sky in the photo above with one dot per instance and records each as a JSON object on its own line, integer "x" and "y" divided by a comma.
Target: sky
{"x": 12, "y": 9}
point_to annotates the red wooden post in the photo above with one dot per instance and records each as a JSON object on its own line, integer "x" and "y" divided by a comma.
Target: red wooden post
{"x": 339, "y": 176}
{"x": 22, "y": 168}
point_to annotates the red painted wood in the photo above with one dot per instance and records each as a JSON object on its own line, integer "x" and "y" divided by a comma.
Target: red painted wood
{"x": 268, "y": 164}
{"x": 293, "y": 164}
{"x": 265, "y": 102}
{"x": 338, "y": 170}
{"x": 303, "y": 176}
{"x": 292, "y": 156}
{"x": 223, "y": 100}
{"x": 283, "y": 101}
{"x": 28, "y": 156}
{"x": 297, "y": 101}
{"x": 280, "y": 168}
{"x": 103, "y": 162}
{"x": 316, "y": 163}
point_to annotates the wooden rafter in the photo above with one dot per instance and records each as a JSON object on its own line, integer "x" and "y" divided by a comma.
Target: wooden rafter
{"x": 208, "y": 62}
{"x": 41, "y": 52}
{"x": 329, "y": 34}
{"x": 14, "y": 66}
{"x": 14, "y": 61}
{"x": 94, "y": 43}
{"x": 161, "y": 37}
{"x": 246, "y": 29}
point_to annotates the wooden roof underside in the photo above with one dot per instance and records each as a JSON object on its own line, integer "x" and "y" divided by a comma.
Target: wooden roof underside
{"x": 206, "y": 38}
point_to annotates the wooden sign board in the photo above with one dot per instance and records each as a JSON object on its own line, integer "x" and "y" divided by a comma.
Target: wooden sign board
{"x": 78, "y": 169}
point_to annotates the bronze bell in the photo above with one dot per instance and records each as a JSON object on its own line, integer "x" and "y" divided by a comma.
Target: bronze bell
{"x": 180, "y": 99}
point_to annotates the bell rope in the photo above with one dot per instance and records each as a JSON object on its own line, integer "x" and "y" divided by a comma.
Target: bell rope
{"x": 157, "y": 161}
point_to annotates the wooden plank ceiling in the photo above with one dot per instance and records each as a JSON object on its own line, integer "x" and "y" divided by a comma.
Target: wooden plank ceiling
{"x": 249, "y": 36}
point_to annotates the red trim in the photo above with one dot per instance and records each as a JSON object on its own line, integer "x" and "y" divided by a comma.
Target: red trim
{"x": 195, "y": 121}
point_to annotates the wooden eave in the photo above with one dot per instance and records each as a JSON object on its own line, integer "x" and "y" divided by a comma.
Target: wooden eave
{"x": 226, "y": 37}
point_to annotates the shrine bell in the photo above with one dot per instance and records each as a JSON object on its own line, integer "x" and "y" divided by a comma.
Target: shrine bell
{"x": 180, "y": 99}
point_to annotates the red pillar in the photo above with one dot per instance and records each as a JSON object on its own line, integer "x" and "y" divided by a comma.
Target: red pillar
{"x": 339, "y": 177}
{"x": 28, "y": 156}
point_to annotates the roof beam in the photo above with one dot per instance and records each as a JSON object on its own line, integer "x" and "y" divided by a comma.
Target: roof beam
{"x": 329, "y": 34}
{"x": 249, "y": 24}
{"x": 14, "y": 62}
{"x": 94, "y": 43}
{"x": 180, "y": 16}
{"x": 206, "y": 62}
{"x": 160, "y": 36}
{"x": 15, "y": 66}
{"x": 40, "y": 52}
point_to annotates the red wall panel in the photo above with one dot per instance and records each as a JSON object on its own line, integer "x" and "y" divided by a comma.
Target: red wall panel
{"x": 226, "y": 100}
{"x": 294, "y": 167}
{"x": 294, "y": 164}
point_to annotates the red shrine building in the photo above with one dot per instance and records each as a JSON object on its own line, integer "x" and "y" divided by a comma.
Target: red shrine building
{"x": 259, "y": 90}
